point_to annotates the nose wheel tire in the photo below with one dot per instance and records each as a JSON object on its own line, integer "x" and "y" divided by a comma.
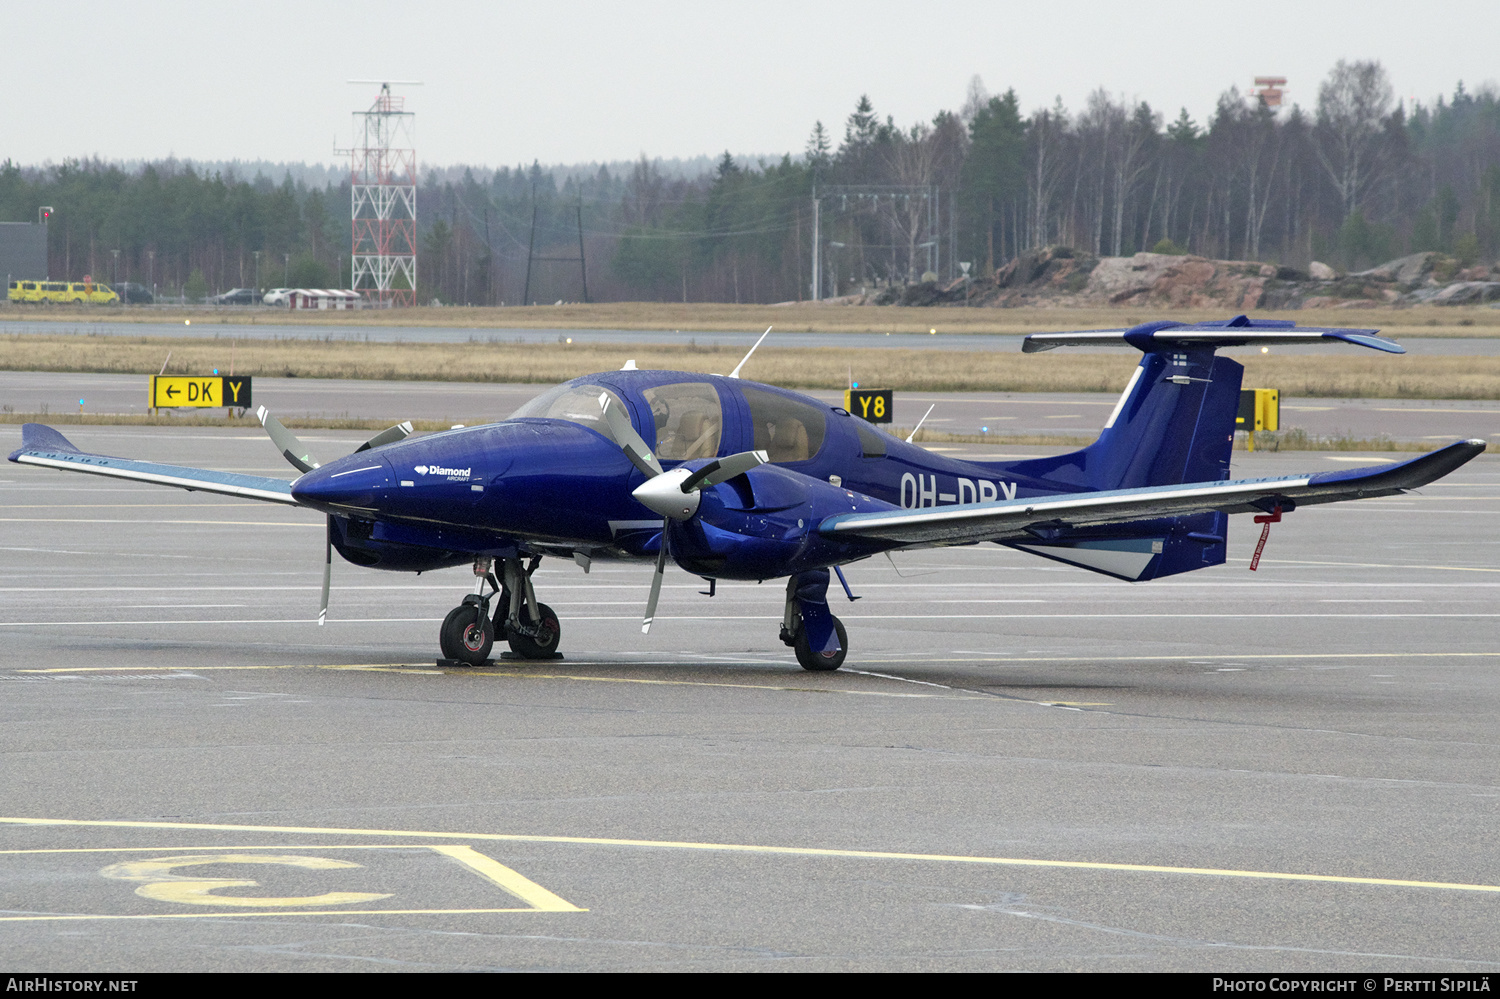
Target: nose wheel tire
{"x": 822, "y": 662}
{"x": 548, "y": 636}
{"x": 467, "y": 635}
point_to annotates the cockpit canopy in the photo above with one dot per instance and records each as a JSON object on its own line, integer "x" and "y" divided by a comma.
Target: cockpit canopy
{"x": 687, "y": 418}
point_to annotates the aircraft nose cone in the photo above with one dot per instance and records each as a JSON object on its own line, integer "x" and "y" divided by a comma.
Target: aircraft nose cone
{"x": 345, "y": 483}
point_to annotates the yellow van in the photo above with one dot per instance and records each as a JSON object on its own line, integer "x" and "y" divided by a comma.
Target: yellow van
{"x": 62, "y": 293}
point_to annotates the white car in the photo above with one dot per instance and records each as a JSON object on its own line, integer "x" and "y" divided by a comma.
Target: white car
{"x": 276, "y": 296}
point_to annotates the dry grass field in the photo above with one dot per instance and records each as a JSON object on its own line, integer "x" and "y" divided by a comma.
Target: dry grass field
{"x": 793, "y": 317}
{"x": 1357, "y": 374}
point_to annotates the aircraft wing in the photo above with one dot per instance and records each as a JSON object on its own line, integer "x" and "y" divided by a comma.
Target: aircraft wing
{"x": 1010, "y": 519}
{"x": 41, "y": 445}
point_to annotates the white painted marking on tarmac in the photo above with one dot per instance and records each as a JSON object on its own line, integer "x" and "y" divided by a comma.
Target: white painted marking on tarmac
{"x": 891, "y": 676}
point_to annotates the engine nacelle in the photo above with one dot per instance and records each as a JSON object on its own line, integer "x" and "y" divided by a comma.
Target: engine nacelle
{"x": 763, "y": 525}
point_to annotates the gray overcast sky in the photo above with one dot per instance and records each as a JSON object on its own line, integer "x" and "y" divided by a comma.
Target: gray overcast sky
{"x": 512, "y": 82}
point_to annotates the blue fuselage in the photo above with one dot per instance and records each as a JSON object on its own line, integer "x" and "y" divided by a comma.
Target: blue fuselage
{"x": 560, "y": 485}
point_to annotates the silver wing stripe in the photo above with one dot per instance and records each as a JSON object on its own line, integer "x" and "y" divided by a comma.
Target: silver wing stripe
{"x": 222, "y": 484}
{"x": 1078, "y": 507}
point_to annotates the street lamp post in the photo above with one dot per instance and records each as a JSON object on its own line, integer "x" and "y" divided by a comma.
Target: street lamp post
{"x": 256, "y": 254}
{"x": 151, "y": 271}
{"x": 286, "y": 269}
{"x": 115, "y": 272}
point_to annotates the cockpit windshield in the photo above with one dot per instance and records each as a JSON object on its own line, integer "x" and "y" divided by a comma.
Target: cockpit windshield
{"x": 574, "y": 403}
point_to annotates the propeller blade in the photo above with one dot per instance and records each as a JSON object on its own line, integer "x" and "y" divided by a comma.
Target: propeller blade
{"x": 327, "y": 571}
{"x": 390, "y": 435}
{"x": 291, "y": 448}
{"x": 661, "y": 568}
{"x": 636, "y": 449}
{"x": 723, "y": 469}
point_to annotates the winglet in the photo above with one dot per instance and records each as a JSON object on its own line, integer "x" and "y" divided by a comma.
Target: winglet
{"x": 40, "y": 437}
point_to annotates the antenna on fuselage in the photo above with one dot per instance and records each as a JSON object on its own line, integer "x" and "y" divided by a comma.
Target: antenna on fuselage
{"x": 736, "y": 372}
{"x": 920, "y": 422}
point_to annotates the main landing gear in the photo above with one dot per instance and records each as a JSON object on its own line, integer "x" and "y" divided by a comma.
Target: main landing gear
{"x": 809, "y": 627}
{"x": 470, "y": 631}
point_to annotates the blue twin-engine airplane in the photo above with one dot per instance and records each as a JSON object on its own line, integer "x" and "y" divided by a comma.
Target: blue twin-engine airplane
{"x": 732, "y": 479}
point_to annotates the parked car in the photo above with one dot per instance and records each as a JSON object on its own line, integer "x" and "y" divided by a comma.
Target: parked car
{"x": 236, "y": 296}
{"x": 276, "y": 296}
{"x": 132, "y": 293}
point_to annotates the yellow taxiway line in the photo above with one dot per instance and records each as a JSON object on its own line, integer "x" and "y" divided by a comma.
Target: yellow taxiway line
{"x": 784, "y": 851}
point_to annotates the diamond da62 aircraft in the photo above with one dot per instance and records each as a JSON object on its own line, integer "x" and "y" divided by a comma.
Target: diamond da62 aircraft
{"x": 732, "y": 479}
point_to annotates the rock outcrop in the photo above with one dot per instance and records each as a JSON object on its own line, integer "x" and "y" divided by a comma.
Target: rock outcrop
{"x": 1063, "y": 277}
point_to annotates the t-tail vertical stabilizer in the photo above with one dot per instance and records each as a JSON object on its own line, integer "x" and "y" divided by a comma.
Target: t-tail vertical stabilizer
{"x": 1173, "y": 424}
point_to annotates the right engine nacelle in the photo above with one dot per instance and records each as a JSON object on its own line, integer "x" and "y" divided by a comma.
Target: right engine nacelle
{"x": 762, "y": 525}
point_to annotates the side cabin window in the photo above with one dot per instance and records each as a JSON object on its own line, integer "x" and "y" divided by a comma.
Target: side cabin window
{"x": 574, "y": 403}
{"x": 689, "y": 420}
{"x": 786, "y": 429}
{"x": 871, "y": 443}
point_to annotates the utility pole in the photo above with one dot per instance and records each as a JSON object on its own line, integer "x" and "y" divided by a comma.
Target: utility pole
{"x": 816, "y": 270}
{"x": 489, "y": 261}
{"x": 583, "y": 267}
{"x": 530, "y": 249}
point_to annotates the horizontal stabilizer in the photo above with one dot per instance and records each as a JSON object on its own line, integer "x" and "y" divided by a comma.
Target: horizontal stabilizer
{"x": 1029, "y": 518}
{"x": 1236, "y": 332}
{"x": 42, "y": 445}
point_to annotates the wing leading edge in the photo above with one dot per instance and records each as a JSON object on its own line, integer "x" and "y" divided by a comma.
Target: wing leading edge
{"x": 41, "y": 445}
{"x": 1019, "y": 518}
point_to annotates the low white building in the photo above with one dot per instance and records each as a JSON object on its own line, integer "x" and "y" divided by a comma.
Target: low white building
{"x": 323, "y": 298}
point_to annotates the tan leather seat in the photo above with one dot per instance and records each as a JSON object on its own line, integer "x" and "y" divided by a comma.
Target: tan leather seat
{"x": 790, "y": 441}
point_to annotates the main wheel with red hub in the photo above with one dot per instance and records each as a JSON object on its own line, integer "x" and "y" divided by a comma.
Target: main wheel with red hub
{"x": 467, "y": 635}
{"x": 544, "y": 644}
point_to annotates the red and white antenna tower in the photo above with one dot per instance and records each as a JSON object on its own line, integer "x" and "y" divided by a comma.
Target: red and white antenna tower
{"x": 383, "y": 193}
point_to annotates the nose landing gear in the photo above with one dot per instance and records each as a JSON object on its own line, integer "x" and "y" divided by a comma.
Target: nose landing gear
{"x": 530, "y": 627}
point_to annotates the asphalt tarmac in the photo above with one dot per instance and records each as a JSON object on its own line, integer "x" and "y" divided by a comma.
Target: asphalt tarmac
{"x": 1082, "y": 413}
{"x": 1022, "y": 765}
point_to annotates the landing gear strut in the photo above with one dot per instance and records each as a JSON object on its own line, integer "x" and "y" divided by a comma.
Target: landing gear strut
{"x": 470, "y": 630}
{"x": 809, "y": 627}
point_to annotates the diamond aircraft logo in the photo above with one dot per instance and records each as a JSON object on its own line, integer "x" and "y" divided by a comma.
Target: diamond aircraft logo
{"x": 452, "y": 473}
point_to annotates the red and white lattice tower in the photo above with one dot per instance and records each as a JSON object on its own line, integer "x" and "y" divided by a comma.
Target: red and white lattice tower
{"x": 383, "y": 192}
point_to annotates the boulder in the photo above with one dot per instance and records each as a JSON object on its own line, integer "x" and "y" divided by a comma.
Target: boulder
{"x": 1320, "y": 271}
{"x": 1467, "y": 293}
{"x": 1409, "y": 269}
